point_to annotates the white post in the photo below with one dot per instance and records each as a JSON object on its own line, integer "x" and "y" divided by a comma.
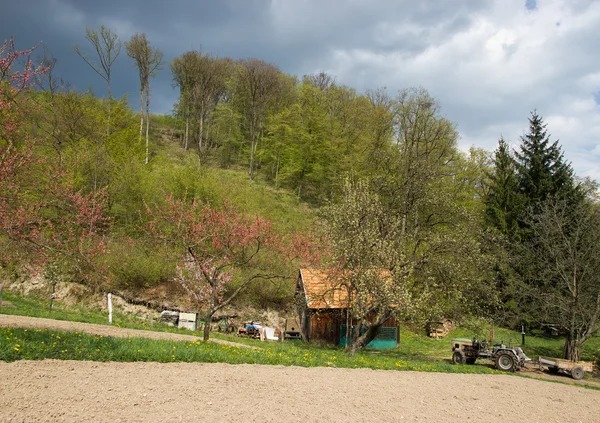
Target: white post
{"x": 109, "y": 307}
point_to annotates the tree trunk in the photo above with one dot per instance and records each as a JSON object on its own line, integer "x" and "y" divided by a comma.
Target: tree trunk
{"x": 252, "y": 144}
{"x": 361, "y": 341}
{"x": 213, "y": 309}
{"x": 207, "y": 325}
{"x": 147, "y": 124}
{"x": 572, "y": 347}
{"x": 187, "y": 132}
{"x": 277, "y": 170}
{"x": 141, "y": 113}
{"x": 201, "y": 128}
{"x": 109, "y": 110}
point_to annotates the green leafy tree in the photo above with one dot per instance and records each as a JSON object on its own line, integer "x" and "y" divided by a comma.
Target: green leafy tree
{"x": 256, "y": 86}
{"x": 370, "y": 260}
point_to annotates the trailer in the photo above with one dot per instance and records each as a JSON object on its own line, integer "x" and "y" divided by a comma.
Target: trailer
{"x": 576, "y": 369}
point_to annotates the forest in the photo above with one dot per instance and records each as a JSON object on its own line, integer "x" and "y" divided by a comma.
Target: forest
{"x": 257, "y": 173}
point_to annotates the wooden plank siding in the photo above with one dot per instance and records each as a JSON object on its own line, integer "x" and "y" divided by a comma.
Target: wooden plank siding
{"x": 322, "y": 310}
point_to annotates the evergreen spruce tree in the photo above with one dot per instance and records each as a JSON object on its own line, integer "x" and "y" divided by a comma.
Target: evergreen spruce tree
{"x": 503, "y": 203}
{"x": 541, "y": 169}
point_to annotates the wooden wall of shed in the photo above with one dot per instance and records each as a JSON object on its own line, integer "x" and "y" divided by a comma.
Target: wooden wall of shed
{"x": 325, "y": 325}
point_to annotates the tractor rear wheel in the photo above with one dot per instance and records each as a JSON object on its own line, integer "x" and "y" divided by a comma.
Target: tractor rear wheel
{"x": 577, "y": 373}
{"x": 505, "y": 362}
{"x": 458, "y": 357}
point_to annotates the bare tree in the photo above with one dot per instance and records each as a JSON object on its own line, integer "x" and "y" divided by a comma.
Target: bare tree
{"x": 48, "y": 81}
{"x": 107, "y": 46}
{"x": 148, "y": 60}
{"x": 562, "y": 269}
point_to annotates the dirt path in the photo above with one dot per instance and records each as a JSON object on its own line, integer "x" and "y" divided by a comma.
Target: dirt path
{"x": 69, "y": 391}
{"x": 7, "y": 320}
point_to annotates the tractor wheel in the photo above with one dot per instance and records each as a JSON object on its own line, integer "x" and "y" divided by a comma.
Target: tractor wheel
{"x": 471, "y": 360}
{"x": 505, "y": 362}
{"x": 458, "y": 357}
{"x": 577, "y": 373}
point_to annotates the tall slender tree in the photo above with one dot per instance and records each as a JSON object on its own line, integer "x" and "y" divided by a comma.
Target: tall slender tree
{"x": 503, "y": 202}
{"x": 148, "y": 61}
{"x": 107, "y": 46}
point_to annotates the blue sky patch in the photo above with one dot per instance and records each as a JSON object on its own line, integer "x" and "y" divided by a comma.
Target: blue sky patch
{"x": 531, "y": 4}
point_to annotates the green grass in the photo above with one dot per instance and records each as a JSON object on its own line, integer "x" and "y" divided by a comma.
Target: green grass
{"x": 24, "y": 344}
{"x": 415, "y": 352}
{"x": 36, "y": 307}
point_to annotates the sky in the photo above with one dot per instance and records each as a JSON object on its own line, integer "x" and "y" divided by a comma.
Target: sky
{"x": 488, "y": 62}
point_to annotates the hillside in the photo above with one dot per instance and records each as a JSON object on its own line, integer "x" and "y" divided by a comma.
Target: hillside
{"x": 218, "y": 205}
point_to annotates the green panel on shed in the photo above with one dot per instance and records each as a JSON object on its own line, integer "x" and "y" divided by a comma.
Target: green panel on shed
{"x": 386, "y": 337}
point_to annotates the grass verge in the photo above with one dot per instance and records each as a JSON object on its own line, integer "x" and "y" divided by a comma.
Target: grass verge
{"x": 31, "y": 344}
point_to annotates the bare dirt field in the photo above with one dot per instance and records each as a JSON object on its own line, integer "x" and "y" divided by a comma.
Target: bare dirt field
{"x": 72, "y": 391}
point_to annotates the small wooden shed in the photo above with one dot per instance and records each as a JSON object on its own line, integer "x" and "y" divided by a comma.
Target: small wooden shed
{"x": 323, "y": 308}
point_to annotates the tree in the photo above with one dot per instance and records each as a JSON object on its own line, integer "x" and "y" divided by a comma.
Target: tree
{"x": 148, "y": 60}
{"x": 107, "y": 46}
{"x": 43, "y": 215}
{"x": 433, "y": 192}
{"x": 216, "y": 244}
{"x": 562, "y": 263}
{"x": 202, "y": 80}
{"x": 257, "y": 85}
{"x": 209, "y": 86}
{"x": 368, "y": 250}
{"x": 504, "y": 203}
{"x": 183, "y": 71}
{"x": 541, "y": 169}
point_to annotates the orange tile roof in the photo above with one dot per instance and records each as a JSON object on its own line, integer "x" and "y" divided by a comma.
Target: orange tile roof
{"x": 322, "y": 292}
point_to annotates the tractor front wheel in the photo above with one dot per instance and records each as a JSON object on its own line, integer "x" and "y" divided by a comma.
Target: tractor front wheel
{"x": 458, "y": 357}
{"x": 505, "y": 362}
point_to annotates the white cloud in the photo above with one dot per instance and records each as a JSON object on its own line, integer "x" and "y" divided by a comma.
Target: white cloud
{"x": 491, "y": 73}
